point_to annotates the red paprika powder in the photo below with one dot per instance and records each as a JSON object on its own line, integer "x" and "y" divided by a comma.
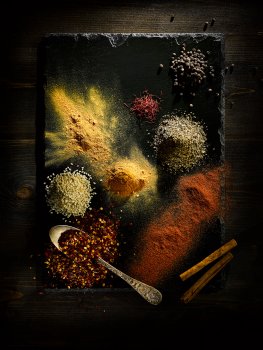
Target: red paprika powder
{"x": 171, "y": 236}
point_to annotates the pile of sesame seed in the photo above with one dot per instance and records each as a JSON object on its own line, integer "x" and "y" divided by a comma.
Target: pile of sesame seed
{"x": 180, "y": 142}
{"x": 189, "y": 70}
{"x": 69, "y": 193}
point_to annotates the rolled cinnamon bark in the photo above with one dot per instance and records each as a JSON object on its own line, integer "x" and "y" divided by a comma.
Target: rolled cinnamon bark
{"x": 200, "y": 284}
{"x": 210, "y": 258}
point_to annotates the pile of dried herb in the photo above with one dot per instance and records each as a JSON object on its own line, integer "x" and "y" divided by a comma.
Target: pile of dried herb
{"x": 180, "y": 142}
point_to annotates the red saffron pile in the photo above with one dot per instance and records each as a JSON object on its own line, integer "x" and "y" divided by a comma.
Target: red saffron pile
{"x": 146, "y": 107}
{"x": 173, "y": 234}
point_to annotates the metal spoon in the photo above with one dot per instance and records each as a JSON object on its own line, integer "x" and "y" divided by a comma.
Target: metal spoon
{"x": 149, "y": 293}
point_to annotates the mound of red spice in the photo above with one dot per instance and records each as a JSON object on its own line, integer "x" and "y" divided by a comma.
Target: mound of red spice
{"x": 75, "y": 265}
{"x": 172, "y": 235}
{"x": 146, "y": 106}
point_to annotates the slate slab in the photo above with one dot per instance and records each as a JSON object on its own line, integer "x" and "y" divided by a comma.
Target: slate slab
{"x": 114, "y": 68}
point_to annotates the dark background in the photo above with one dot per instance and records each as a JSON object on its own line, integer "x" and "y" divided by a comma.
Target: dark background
{"x": 123, "y": 319}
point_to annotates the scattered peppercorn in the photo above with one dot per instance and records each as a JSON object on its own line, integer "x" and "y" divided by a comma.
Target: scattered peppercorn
{"x": 188, "y": 70}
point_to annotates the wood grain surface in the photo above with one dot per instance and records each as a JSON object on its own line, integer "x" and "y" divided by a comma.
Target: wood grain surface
{"x": 119, "y": 319}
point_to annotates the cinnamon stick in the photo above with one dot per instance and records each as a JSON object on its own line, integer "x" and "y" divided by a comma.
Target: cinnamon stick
{"x": 200, "y": 284}
{"x": 210, "y": 258}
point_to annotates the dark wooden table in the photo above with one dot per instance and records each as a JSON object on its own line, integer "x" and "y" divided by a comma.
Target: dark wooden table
{"x": 108, "y": 319}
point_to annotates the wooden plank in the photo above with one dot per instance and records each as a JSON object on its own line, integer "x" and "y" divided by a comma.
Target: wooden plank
{"x": 53, "y": 319}
{"x": 19, "y": 118}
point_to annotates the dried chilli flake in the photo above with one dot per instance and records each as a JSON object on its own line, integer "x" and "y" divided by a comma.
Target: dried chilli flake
{"x": 75, "y": 266}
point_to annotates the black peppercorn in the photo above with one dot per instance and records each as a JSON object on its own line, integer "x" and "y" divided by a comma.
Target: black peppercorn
{"x": 205, "y": 26}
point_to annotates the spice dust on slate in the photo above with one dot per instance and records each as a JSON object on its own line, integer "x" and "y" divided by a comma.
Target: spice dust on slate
{"x": 83, "y": 128}
{"x": 174, "y": 233}
{"x": 92, "y": 129}
{"x": 75, "y": 265}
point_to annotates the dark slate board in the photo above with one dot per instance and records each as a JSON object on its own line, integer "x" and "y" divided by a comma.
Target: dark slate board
{"x": 128, "y": 64}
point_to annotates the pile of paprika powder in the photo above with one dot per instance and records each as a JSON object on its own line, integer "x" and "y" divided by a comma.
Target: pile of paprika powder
{"x": 169, "y": 238}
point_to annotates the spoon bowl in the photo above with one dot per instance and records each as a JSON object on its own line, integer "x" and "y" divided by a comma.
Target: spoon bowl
{"x": 149, "y": 293}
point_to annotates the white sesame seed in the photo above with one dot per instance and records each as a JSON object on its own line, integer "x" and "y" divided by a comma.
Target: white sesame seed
{"x": 69, "y": 193}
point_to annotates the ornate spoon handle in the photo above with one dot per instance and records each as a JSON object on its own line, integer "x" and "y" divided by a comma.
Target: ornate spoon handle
{"x": 149, "y": 293}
